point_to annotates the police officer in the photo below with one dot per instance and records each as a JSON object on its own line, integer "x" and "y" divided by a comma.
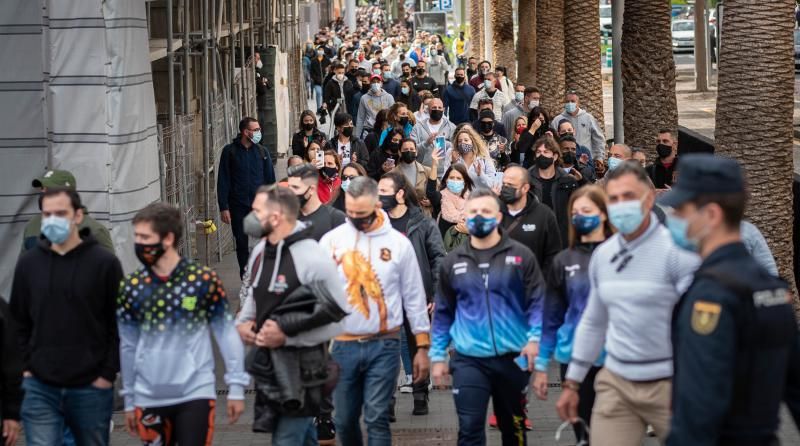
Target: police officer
{"x": 734, "y": 332}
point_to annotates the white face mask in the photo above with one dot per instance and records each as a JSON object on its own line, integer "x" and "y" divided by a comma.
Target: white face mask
{"x": 259, "y": 65}
{"x": 533, "y": 104}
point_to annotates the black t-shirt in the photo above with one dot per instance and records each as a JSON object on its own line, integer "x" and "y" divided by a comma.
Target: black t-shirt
{"x": 547, "y": 191}
{"x": 400, "y": 224}
{"x": 323, "y": 220}
{"x": 286, "y": 281}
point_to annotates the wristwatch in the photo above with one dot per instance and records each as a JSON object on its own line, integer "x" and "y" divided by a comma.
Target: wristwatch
{"x": 572, "y": 385}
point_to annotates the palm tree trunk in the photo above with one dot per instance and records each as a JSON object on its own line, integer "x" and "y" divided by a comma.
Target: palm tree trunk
{"x": 476, "y": 27}
{"x": 754, "y": 116}
{"x": 501, "y": 13}
{"x": 526, "y": 43}
{"x": 648, "y": 73}
{"x": 582, "y": 55}
{"x": 550, "y": 53}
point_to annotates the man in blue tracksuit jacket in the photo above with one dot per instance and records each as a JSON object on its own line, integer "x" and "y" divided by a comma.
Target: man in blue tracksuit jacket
{"x": 244, "y": 166}
{"x": 489, "y": 304}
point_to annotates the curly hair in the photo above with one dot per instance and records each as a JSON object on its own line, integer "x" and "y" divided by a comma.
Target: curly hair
{"x": 481, "y": 151}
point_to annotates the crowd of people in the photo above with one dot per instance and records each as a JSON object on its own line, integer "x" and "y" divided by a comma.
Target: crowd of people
{"x": 444, "y": 232}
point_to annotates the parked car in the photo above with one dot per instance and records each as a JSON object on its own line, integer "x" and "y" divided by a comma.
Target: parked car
{"x": 605, "y": 20}
{"x": 683, "y": 35}
{"x": 797, "y": 49}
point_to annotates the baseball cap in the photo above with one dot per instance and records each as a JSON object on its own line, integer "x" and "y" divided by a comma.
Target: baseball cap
{"x": 375, "y": 76}
{"x": 55, "y": 178}
{"x": 704, "y": 173}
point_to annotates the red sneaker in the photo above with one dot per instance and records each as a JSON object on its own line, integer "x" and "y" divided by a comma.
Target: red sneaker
{"x": 493, "y": 421}
{"x": 528, "y": 425}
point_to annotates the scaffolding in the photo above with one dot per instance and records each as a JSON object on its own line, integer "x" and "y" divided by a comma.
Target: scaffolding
{"x": 204, "y": 77}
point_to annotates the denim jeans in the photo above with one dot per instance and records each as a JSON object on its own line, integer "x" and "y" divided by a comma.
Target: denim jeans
{"x": 47, "y": 409}
{"x": 318, "y": 96}
{"x": 295, "y": 431}
{"x": 367, "y": 380}
{"x": 405, "y": 354}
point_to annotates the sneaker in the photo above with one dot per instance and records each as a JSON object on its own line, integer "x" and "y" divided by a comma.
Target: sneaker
{"x": 326, "y": 431}
{"x": 407, "y": 385}
{"x": 493, "y": 421}
{"x": 420, "y": 406}
{"x": 650, "y": 431}
{"x": 528, "y": 425}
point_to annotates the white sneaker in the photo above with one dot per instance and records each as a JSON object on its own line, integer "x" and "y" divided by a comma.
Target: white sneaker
{"x": 407, "y": 387}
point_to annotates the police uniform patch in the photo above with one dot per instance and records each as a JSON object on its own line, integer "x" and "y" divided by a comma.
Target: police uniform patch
{"x": 705, "y": 316}
{"x": 386, "y": 254}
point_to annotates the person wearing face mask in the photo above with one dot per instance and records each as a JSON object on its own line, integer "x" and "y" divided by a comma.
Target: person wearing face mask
{"x": 449, "y": 198}
{"x": 486, "y": 104}
{"x": 617, "y": 155}
{"x": 526, "y": 219}
{"x": 415, "y": 173}
{"x": 490, "y": 282}
{"x": 391, "y": 85}
{"x": 67, "y": 280}
{"x": 478, "y": 79}
{"x": 636, "y": 278}
{"x": 506, "y": 85}
{"x": 425, "y": 132}
{"x": 244, "y": 166}
{"x": 303, "y": 180}
{"x": 317, "y": 71}
{"x": 525, "y": 100}
{"x": 568, "y": 293}
{"x": 470, "y": 150}
{"x": 330, "y": 182}
{"x": 421, "y": 81}
{"x": 551, "y": 184}
{"x": 371, "y": 103}
{"x": 438, "y": 67}
{"x": 307, "y": 132}
{"x": 425, "y": 98}
{"x": 519, "y": 125}
{"x": 347, "y": 146}
{"x": 165, "y": 399}
{"x": 457, "y": 98}
{"x": 378, "y": 269}
{"x": 399, "y": 201}
{"x": 349, "y": 172}
{"x": 398, "y": 118}
{"x": 662, "y": 170}
{"x": 583, "y": 171}
{"x": 361, "y": 89}
{"x": 338, "y": 92}
{"x": 286, "y": 267}
{"x": 387, "y": 158}
{"x": 587, "y": 130}
{"x": 734, "y": 330}
{"x": 490, "y": 91}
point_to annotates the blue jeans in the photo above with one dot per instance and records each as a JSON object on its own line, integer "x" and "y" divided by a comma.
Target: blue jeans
{"x": 295, "y": 431}
{"x": 405, "y": 354}
{"x": 367, "y": 379}
{"x": 318, "y": 95}
{"x": 47, "y": 409}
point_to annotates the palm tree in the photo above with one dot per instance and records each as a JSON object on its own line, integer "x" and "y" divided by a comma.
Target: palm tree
{"x": 501, "y": 14}
{"x": 550, "y": 53}
{"x": 526, "y": 43}
{"x": 476, "y": 27}
{"x": 582, "y": 55}
{"x": 648, "y": 73}
{"x": 754, "y": 115}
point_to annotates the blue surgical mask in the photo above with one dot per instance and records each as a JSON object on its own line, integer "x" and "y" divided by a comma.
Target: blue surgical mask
{"x": 256, "y": 137}
{"x": 487, "y": 84}
{"x": 679, "y": 230}
{"x": 405, "y": 90}
{"x": 345, "y": 185}
{"x": 570, "y": 107}
{"x": 613, "y": 163}
{"x": 56, "y": 229}
{"x": 376, "y": 87}
{"x": 626, "y": 216}
{"x": 585, "y": 224}
{"x": 455, "y": 186}
{"x": 388, "y": 75}
{"x": 519, "y": 96}
{"x": 480, "y": 226}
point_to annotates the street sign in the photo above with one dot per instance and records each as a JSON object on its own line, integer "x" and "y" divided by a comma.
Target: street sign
{"x": 446, "y": 5}
{"x": 432, "y": 22}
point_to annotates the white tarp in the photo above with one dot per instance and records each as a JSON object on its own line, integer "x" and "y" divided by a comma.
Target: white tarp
{"x": 76, "y": 84}
{"x": 282, "y": 100}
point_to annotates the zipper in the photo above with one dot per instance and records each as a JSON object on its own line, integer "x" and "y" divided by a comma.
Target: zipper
{"x": 489, "y": 308}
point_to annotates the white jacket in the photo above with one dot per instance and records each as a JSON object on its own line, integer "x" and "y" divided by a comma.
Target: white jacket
{"x": 381, "y": 277}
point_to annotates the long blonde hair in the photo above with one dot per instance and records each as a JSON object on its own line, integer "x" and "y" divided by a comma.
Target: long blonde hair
{"x": 478, "y": 144}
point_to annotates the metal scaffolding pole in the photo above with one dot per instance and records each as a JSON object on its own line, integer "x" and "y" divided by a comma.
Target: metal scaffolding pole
{"x": 186, "y": 80}
{"x": 617, "y": 10}
{"x": 252, "y": 54}
{"x": 206, "y": 125}
{"x": 242, "y": 103}
{"x": 170, "y": 69}
{"x": 263, "y": 23}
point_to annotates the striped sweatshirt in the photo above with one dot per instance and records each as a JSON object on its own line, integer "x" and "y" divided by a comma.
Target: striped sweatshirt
{"x": 634, "y": 287}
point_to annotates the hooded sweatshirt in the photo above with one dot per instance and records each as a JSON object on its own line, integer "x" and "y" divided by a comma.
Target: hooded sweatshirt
{"x": 535, "y": 227}
{"x": 368, "y": 109}
{"x": 64, "y": 307}
{"x": 588, "y": 132}
{"x": 165, "y": 346}
{"x": 381, "y": 278}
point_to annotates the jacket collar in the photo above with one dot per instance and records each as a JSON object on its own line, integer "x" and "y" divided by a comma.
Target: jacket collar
{"x": 504, "y": 245}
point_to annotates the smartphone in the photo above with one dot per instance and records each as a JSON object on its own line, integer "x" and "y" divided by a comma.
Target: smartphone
{"x": 320, "y": 158}
{"x": 390, "y": 162}
{"x": 522, "y": 362}
{"x": 440, "y": 142}
{"x": 498, "y": 179}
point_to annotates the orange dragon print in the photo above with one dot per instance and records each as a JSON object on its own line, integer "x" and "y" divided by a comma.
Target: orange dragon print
{"x": 363, "y": 285}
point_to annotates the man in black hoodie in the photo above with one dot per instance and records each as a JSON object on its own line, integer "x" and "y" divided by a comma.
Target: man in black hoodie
{"x": 63, "y": 300}
{"x": 10, "y": 377}
{"x": 525, "y": 219}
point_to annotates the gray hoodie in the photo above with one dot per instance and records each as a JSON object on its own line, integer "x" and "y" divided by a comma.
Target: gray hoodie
{"x": 371, "y": 103}
{"x": 422, "y": 131}
{"x": 588, "y": 132}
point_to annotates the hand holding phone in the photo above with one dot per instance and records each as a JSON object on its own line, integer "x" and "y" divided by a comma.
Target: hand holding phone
{"x": 522, "y": 362}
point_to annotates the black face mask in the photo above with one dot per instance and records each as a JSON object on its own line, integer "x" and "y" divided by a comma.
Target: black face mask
{"x": 663, "y": 150}
{"x": 362, "y": 223}
{"x": 408, "y": 157}
{"x": 544, "y": 162}
{"x": 392, "y": 147}
{"x": 329, "y": 172}
{"x": 460, "y": 79}
{"x": 308, "y": 126}
{"x": 436, "y": 115}
{"x": 509, "y": 195}
{"x": 487, "y": 127}
{"x": 569, "y": 158}
{"x": 302, "y": 198}
{"x": 403, "y": 121}
{"x": 347, "y": 131}
{"x": 388, "y": 202}
{"x": 364, "y": 87}
{"x": 149, "y": 254}
{"x": 420, "y": 71}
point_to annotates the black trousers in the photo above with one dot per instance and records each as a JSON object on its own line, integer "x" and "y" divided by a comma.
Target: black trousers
{"x": 238, "y": 214}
